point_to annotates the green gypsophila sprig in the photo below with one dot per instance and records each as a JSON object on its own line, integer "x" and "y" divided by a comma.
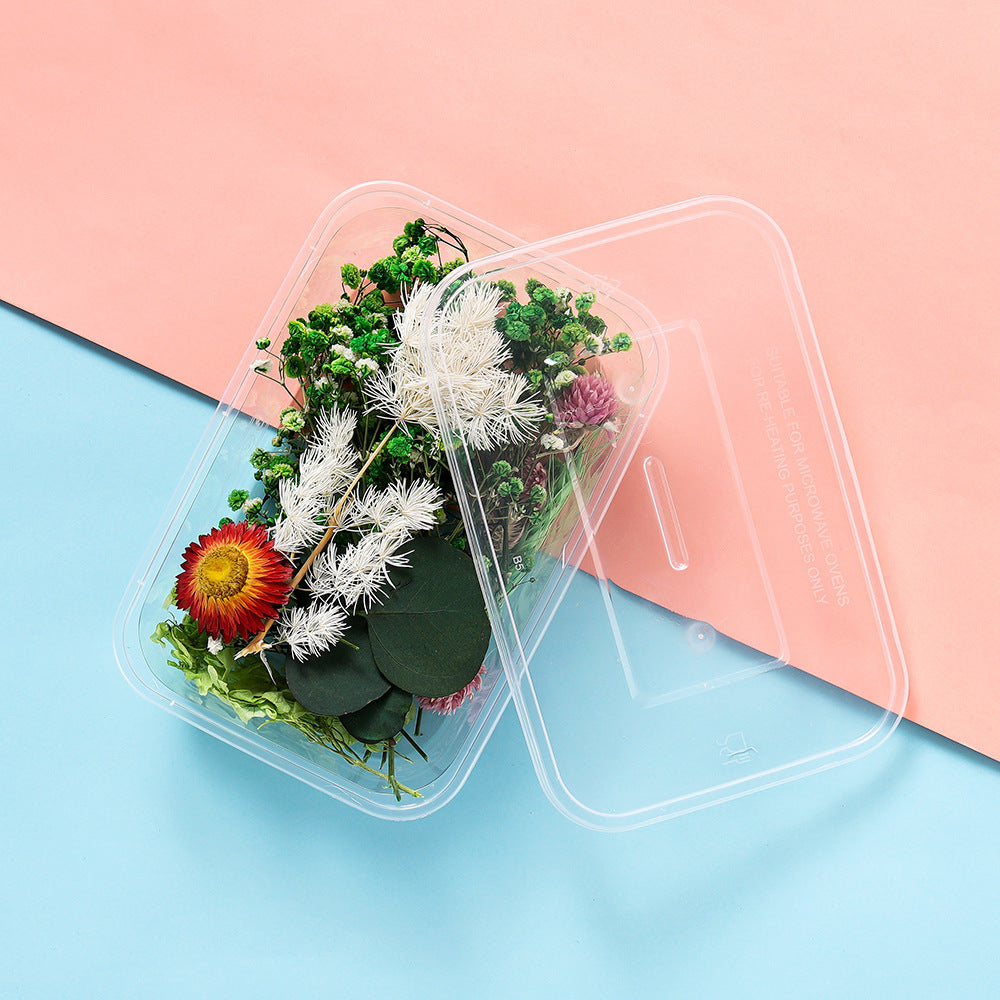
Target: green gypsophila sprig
{"x": 553, "y": 334}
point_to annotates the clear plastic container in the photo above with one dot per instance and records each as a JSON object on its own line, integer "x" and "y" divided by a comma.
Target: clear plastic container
{"x": 357, "y": 227}
{"x": 706, "y": 616}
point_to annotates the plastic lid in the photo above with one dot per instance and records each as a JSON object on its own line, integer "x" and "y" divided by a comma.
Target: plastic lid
{"x": 706, "y": 616}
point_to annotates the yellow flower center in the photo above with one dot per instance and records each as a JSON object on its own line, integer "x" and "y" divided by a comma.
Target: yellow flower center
{"x": 223, "y": 572}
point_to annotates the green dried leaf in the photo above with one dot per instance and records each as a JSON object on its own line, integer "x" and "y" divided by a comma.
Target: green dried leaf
{"x": 430, "y": 633}
{"x": 381, "y": 720}
{"x": 339, "y": 680}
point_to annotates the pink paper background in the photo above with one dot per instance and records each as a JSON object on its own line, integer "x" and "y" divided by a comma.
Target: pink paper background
{"x": 161, "y": 164}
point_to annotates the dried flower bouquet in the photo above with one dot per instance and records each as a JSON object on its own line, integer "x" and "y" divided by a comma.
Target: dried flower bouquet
{"x": 340, "y": 598}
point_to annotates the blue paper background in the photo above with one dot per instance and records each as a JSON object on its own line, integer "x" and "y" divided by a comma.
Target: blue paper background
{"x": 142, "y": 858}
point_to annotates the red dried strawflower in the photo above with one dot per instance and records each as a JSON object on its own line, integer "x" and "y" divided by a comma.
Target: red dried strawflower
{"x": 233, "y": 579}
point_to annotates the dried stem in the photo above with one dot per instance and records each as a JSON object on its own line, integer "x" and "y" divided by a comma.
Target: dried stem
{"x": 257, "y": 644}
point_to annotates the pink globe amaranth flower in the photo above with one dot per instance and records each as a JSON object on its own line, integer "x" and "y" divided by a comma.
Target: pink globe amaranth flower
{"x": 453, "y": 702}
{"x": 589, "y": 402}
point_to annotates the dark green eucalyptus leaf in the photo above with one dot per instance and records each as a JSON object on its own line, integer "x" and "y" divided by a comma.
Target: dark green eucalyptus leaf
{"x": 430, "y": 633}
{"x": 339, "y": 680}
{"x": 381, "y": 720}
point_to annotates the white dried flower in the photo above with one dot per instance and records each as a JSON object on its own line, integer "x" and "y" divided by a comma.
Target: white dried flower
{"x": 402, "y": 390}
{"x": 499, "y": 414}
{"x": 400, "y": 507}
{"x": 326, "y": 468}
{"x": 486, "y": 403}
{"x": 372, "y": 509}
{"x": 215, "y": 645}
{"x": 358, "y": 573}
{"x": 327, "y": 475}
{"x": 552, "y": 442}
{"x": 299, "y": 526}
{"x": 334, "y": 428}
{"x": 413, "y": 506}
{"x": 310, "y": 631}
